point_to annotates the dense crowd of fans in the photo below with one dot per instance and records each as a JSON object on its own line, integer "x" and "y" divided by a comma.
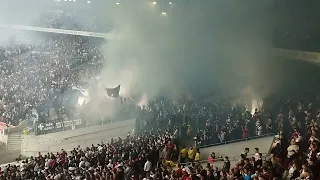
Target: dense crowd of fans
{"x": 34, "y": 77}
{"x": 207, "y": 122}
{"x": 38, "y": 73}
{"x": 158, "y": 154}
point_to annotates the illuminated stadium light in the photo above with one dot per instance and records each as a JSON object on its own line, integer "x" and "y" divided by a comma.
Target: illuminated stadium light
{"x": 117, "y": 3}
{"x": 163, "y": 13}
{"x": 88, "y": 2}
{"x": 154, "y": 2}
{"x": 170, "y": 3}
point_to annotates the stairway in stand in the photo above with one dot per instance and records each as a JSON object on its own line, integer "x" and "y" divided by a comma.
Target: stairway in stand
{"x": 14, "y": 142}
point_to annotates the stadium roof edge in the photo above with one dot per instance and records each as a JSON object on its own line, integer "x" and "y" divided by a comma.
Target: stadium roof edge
{"x": 312, "y": 57}
{"x": 59, "y": 31}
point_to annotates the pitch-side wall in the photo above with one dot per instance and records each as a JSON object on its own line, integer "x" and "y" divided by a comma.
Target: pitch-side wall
{"x": 31, "y": 145}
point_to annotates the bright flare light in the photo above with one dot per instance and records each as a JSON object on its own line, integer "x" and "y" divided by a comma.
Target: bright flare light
{"x": 117, "y": 3}
{"x": 255, "y": 105}
{"x": 143, "y": 101}
{"x": 154, "y": 2}
{"x": 163, "y": 13}
{"x": 170, "y": 3}
{"x": 88, "y": 2}
{"x": 83, "y": 100}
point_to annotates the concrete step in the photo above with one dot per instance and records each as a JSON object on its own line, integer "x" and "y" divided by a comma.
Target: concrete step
{"x": 14, "y": 142}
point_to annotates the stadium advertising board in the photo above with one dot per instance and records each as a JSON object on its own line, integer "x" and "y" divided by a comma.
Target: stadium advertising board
{"x": 50, "y": 127}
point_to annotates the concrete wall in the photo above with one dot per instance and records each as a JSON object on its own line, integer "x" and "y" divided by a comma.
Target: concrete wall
{"x": 235, "y": 149}
{"x": 68, "y": 140}
{"x": 3, "y": 138}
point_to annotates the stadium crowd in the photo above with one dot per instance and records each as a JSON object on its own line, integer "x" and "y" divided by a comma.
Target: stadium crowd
{"x": 38, "y": 73}
{"x": 208, "y": 122}
{"x": 34, "y": 77}
{"x": 156, "y": 154}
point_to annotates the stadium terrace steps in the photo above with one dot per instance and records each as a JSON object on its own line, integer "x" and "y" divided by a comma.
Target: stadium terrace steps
{"x": 14, "y": 142}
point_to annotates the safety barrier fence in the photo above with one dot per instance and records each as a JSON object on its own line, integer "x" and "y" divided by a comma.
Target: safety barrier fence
{"x": 236, "y": 140}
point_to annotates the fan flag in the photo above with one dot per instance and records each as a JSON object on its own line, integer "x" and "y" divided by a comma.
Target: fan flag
{"x": 113, "y": 92}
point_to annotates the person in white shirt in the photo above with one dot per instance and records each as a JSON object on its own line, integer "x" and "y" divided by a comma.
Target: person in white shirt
{"x": 259, "y": 130}
{"x": 147, "y": 166}
{"x": 82, "y": 163}
{"x": 257, "y": 154}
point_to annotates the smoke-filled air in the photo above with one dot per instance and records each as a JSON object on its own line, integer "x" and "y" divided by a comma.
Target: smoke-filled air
{"x": 207, "y": 49}
{"x": 200, "y": 47}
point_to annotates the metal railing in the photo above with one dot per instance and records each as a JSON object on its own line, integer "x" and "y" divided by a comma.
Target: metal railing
{"x": 236, "y": 140}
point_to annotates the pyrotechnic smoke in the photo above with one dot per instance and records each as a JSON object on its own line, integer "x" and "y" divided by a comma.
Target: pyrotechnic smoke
{"x": 143, "y": 101}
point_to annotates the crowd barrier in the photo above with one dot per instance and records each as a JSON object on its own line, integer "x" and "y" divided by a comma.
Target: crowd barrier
{"x": 236, "y": 140}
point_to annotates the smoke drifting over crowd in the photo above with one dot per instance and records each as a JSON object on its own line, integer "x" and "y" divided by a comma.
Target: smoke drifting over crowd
{"x": 198, "y": 47}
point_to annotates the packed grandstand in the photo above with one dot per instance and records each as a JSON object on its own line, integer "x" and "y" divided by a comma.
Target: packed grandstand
{"x": 37, "y": 77}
